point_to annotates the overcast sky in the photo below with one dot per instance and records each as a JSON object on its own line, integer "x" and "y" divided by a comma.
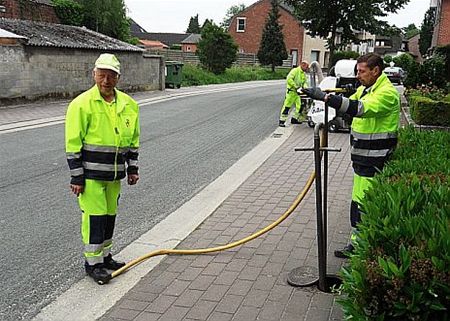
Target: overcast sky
{"x": 174, "y": 15}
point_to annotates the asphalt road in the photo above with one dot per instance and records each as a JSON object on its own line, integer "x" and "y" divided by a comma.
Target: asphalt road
{"x": 186, "y": 143}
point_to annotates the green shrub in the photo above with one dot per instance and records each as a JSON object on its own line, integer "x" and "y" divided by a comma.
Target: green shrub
{"x": 401, "y": 267}
{"x": 426, "y": 111}
{"x": 444, "y": 51}
{"x": 195, "y": 75}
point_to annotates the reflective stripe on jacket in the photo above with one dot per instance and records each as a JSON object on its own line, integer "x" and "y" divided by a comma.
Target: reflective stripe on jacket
{"x": 101, "y": 137}
{"x": 374, "y": 130}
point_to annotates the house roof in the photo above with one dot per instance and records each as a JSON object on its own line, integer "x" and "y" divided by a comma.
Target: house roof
{"x": 135, "y": 27}
{"x": 167, "y": 38}
{"x": 43, "y": 34}
{"x": 153, "y": 43}
{"x": 192, "y": 38}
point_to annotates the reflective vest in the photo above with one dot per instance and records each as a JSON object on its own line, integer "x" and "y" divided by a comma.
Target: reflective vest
{"x": 373, "y": 134}
{"x": 295, "y": 79}
{"x": 102, "y": 137}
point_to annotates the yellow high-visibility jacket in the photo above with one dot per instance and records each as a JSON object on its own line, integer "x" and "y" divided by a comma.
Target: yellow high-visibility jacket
{"x": 101, "y": 137}
{"x": 375, "y": 125}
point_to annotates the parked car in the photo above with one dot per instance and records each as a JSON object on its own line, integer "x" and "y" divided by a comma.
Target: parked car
{"x": 395, "y": 74}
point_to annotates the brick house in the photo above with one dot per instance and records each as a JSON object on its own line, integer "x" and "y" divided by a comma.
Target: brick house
{"x": 413, "y": 46}
{"x": 441, "y": 34}
{"x": 35, "y": 10}
{"x": 247, "y": 27}
{"x": 191, "y": 42}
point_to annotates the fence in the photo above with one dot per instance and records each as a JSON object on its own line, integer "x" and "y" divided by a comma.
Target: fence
{"x": 191, "y": 58}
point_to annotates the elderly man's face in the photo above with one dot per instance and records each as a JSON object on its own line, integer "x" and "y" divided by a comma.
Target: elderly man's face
{"x": 106, "y": 81}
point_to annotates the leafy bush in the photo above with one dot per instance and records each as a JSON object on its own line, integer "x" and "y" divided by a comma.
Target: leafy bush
{"x": 216, "y": 50}
{"x": 431, "y": 73}
{"x": 404, "y": 61}
{"x": 401, "y": 267}
{"x": 194, "y": 75}
{"x": 426, "y": 111}
{"x": 69, "y": 12}
{"x": 444, "y": 51}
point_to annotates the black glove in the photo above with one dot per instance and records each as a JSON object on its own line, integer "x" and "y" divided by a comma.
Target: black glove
{"x": 314, "y": 93}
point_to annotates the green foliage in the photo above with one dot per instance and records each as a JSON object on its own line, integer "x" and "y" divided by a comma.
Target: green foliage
{"x": 431, "y": 73}
{"x": 426, "y": 31}
{"x": 69, "y": 12}
{"x": 324, "y": 18}
{"x": 272, "y": 50}
{"x": 427, "y": 111}
{"x": 404, "y": 61}
{"x": 387, "y": 59}
{"x": 216, "y": 50}
{"x": 107, "y": 17}
{"x": 196, "y": 76}
{"x": 339, "y": 55}
{"x": 410, "y": 31}
{"x": 231, "y": 12}
{"x": 444, "y": 51}
{"x": 401, "y": 267}
{"x": 194, "y": 25}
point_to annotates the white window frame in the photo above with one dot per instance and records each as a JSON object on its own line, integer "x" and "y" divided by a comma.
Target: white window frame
{"x": 238, "y": 19}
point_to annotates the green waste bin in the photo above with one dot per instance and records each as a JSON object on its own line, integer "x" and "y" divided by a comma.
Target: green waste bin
{"x": 174, "y": 74}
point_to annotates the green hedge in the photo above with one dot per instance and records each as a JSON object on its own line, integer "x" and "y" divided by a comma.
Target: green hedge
{"x": 426, "y": 111}
{"x": 401, "y": 267}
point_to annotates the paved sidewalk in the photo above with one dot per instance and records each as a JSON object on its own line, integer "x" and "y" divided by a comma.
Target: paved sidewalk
{"x": 249, "y": 282}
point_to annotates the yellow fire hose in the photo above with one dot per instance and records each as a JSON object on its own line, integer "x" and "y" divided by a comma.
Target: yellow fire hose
{"x": 285, "y": 215}
{"x": 294, "y": 205}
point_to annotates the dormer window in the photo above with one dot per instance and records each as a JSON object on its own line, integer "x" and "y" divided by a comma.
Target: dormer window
{"x": 240, "y": 24}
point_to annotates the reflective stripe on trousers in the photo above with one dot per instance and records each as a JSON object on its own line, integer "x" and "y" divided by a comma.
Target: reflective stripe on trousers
{"x": 98, "y": 202}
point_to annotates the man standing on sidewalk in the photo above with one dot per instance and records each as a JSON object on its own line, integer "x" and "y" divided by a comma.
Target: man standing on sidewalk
{"x": 375, "y": 108}
{"x": 295, "y": 79}
{"x": 101, "y": 134}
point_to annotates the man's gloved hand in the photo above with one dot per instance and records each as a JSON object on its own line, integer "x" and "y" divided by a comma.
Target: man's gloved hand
{"x": 314, "y": 93}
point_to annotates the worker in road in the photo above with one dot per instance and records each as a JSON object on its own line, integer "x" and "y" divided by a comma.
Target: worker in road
{"x": 102, "y": 140}
{"x": 295, "y": 80}
{"x": 375, "y": 108}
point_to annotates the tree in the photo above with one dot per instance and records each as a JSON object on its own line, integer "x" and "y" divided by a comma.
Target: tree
{"x": 231, "y": 12}
{"x": 194, "y": 26}
{"x": 326, "y": 18}
{"x": 272, "y": 50}
{"x": 207, "y": 22}
{"x": 426, "y": 31}
{"x": 216, "y": 50}
{"x": 410, "y": 31}
{"x": 69, "y": 12}
{"x": 107, "y": 17}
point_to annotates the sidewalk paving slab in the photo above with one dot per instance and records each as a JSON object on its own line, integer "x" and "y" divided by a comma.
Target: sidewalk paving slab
{"x": 248, "y": 282}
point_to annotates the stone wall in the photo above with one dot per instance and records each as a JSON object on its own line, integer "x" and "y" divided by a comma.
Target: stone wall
{"x": 29, "y": 72}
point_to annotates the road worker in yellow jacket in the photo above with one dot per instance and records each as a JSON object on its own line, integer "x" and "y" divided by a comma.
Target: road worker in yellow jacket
{"x": 102, "y": 140}
{"x": 375, "y": 108}
{"x": 295, "y": 80}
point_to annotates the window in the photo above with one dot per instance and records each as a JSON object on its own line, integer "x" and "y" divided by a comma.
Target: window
{"x": 240, "y": 24}
{"x": 315, "y": 55}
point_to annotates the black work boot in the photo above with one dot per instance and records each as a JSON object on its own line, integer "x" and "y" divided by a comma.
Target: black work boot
{"x": 345, "y": 252}
{"x": 98, "y": 273}
{"x": 295, "y": 121}
{"x": 281, "y": 123}
{"x": 111, "y": 264}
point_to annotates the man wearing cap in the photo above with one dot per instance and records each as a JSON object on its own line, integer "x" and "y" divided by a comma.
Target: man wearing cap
{"x": 102, "y": 140}
{"x": 295, "y": 80}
